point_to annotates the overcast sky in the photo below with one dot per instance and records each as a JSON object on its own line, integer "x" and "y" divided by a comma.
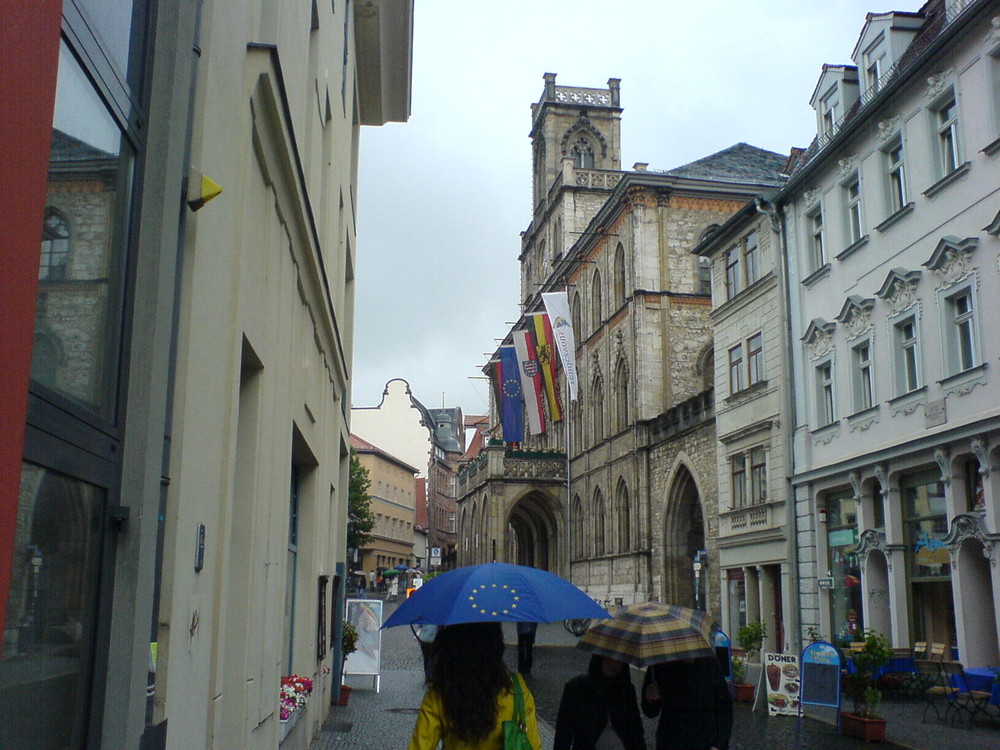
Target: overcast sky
{"x": 444, "y": 197}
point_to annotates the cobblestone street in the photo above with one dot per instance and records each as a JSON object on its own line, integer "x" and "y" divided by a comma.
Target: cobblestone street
{"x": 384, "y": 720}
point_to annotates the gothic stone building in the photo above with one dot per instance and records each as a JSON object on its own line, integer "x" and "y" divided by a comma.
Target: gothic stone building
{"x": 638, "y": 510}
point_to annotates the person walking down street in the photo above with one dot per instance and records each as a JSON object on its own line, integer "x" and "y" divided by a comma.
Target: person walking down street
{"x": 693, "y": 702}
{"x": 361, "y": 587}
{"x": 393, "y": 589}
{"x": 471, "y": 693}
{"x": 371, "y": 580}
{"x": 599, "y": 709}
{"x": 526, "y": 646}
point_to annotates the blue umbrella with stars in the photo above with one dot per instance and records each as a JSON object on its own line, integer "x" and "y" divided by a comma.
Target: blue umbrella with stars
{"x": 495, "y": 592}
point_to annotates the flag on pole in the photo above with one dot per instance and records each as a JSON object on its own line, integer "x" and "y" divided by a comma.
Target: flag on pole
{"x": 557, "y": 306}
{"x": 512, "y": 410}
{"x": 531, "y": 381}
{"x": 547, "y": 361}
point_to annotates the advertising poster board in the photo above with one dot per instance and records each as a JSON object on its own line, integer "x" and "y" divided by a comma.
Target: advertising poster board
{"x": 366, "y": 616}
{"x": 820, "y": 684}
{"x": 781, "y": 676}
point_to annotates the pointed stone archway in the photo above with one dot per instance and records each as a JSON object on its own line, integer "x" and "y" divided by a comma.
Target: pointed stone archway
{"x": 533, "y": 532}
{"x": 683, "y": 537}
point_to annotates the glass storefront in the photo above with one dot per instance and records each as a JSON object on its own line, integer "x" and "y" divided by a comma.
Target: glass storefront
{"x": 928, "y": 560}
{"x": 846, "y": 617}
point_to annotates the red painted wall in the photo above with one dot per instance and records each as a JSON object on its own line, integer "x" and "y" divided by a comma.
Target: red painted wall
{"x": 29, "y": 60}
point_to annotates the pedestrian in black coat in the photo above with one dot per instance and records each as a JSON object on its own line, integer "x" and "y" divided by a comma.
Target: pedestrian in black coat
{"x": 692, "y": 699}
{"x": 600, "y": 707}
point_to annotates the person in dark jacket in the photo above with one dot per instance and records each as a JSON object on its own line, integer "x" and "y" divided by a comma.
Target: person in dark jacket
{"x": 526, "y": 646}
{"x": 600, "y": 707}
{"x": 693, "y": 702}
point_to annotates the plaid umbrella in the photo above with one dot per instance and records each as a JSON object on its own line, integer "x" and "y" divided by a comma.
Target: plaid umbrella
{"x": 649, "y": 633}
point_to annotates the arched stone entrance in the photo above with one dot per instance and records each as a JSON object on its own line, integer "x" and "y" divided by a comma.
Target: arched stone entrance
{"x": 683, "y": 537}
{"x": 532, "y": 532}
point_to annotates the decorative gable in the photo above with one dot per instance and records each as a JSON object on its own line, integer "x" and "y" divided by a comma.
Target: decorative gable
{"x": 951, "y": 260}
{"x": 899, "y": 289}
{"x": 855, "y": 315}
{"x": 819, "y": 338}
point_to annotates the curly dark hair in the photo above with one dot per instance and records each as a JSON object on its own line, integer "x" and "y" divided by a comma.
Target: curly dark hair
{"x": 469, "y": 674}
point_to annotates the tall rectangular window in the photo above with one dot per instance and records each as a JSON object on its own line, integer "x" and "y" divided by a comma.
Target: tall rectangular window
{"x": 963, "y": 332}
{"x": 830, "y": 108}
{"x": 758, "y": 476}
{"x": 895, "y": 170}
{"x": 908, "y": 378}
{"x": 824, "y": 394}
{"x": 816, "y": 250}
{"x": 947, "y": 136}
{"x": 755, "y": 358}
{"x": 736, "y": 369}
{"x": 852, "y": 201}
{"x": 704, "y": 276}
{"x": 751, "y": 257}
{"x": 864, "y": 385}
{"x": 734, "y": 272}
{"x": 738, "y": 479}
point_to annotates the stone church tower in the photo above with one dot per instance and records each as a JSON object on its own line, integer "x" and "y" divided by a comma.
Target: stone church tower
{"x": 619, "y": 493}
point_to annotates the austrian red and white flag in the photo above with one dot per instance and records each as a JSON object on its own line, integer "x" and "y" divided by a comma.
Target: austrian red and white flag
{"x": 531, "y": 381}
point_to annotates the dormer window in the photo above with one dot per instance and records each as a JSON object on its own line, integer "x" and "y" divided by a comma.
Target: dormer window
{"x": 830, "y": 108}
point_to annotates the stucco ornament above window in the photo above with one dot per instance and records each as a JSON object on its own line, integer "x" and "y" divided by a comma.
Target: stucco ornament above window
{"x": 855, "y": 315}
{"x": 993, "y": 35}
{"x": 952, "y": 260}
{"x": 887, "y": 128}
{"x": 819, "y": 338}
{"x": 847, "y": 165}
{"x": 971, "y": 526}
{"x": 810, "y": 197}
{"x": 899, "y": 289}
{"x": 938, "y": 82}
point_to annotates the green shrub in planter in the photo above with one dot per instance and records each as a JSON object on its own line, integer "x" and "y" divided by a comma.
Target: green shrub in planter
{"x": 349, "y": 639}
{"x": 751, "y": 637}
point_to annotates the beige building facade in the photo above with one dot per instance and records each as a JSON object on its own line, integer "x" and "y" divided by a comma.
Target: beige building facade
{"x": 392, "y": 495}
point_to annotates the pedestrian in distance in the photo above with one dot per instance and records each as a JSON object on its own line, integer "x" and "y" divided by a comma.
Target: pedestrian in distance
{"x": 393, "y": 589}
{"x": 526, "y": 646}
{"x": 692, "y": 700}
{"x": 471, "y": 693}
{"x": 599, "y": 709}
{"x": 361, "y": 587}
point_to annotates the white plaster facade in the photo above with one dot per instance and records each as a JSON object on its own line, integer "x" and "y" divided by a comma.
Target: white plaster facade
{"x": 757, "y": 572}
{"x": 891, "y": 227}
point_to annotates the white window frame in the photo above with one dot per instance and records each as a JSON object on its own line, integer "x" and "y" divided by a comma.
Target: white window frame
{"x": 826, "y": 403}
{"x": 906, "y": 354}
{"x": 757, "y": 475}
{"x": 895, "y": 174}
{"x": 830, "y": 109}
{"x": 733, "y": 259}
{"x": 755, "y": 360}
{"x": 815, "y": 230}
{"x": 736, "y": 368}
{"x": 751, "y": 257}
{"x": 738, "y": 480}
{"x": 960, "y": 328}
{"x": 947, "y": 143}
{"x": 863, "y": 374}
{"x": 854, "y": 223}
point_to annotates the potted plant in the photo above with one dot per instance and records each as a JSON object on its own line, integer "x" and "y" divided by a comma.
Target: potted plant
{"x": 348, "y": 645}
{"x": 751, "y": 637}
{"x": 864, "y": 721}
{"x": 742, "y": 690}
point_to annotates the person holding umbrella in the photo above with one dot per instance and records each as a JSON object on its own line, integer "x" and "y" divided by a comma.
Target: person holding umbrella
{"x": 597, "y": 707}
{"x": 471, "y": 693}
{"x": 683, "y": 685}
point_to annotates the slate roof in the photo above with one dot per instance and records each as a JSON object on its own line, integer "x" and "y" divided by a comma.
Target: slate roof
{"x": 739, "y": 163}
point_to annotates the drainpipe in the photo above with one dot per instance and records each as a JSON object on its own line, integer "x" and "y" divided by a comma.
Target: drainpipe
{"x": 792, "y": 617}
